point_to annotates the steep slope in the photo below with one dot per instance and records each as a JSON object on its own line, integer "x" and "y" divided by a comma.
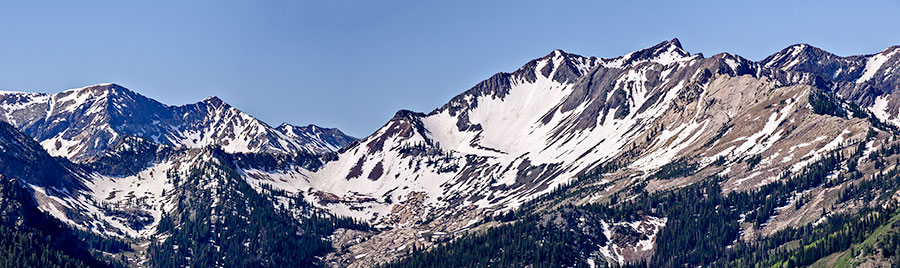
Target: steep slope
{"x": 658, "y": 117}
{"x": 497, "y": 130}
{"x": 159, "y": 199}
{"x": 82, "y": 123}
{"x": 65, "y": 190}
{"x": 515, "y": 136}
{"x": 31, "y": 237}
{"x": 126, "y": 191}
{"x": 218, "y": 220}
{"x": 21, "y": 157}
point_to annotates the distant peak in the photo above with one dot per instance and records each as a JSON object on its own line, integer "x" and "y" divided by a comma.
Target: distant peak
{"x": 665, "y": 52}
{"x": 797, "y": 49}
{"x": 104, "y": 90}
{"x": 558, "y": 52}
{"x": 665, "y": 46}
{"x": 676, "y": 43}
{"x": 794, "y": 55}
{"x": 105, "y": 85}
{"x": 101, "y": 86}
{"x": 287, "y": 125}
{"x": 213, "y": 100}
{"x": 671, "y": 45}
{"x": 403, "y": 114}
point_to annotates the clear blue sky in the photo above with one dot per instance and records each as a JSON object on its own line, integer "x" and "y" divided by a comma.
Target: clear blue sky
{"x": 352, "y": 64}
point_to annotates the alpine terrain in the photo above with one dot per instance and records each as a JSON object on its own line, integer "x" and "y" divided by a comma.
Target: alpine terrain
{"x": 657, "y": 158}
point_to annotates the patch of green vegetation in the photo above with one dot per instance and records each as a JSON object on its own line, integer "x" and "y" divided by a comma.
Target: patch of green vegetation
{"x": 676, "y": 169}
{"x": 752, "y": 161}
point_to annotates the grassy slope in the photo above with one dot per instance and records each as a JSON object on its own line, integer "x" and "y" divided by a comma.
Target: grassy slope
{"x": 846, "y": 258}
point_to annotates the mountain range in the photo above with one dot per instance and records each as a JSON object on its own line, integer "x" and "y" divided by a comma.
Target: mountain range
{"x": 83, "y": 123}
{"x": 655, "y": 158}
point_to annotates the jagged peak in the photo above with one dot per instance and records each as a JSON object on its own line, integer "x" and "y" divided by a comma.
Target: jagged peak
{"x": 214, "y": 101}
{"x": 99, "y": 87}
{"x": 556, "y": 53}
{"x": 288, "y": 126}
{"x": 561, "y": 66}
{"x": 105, "y": 92}
{"x": 807, "y": 49}
{"x": 407, "y": 114}
{"x": 110, "y": 85}
{"x": 284, "y": 125}
{"x": 312, "y": 127}
{"x": 801, "y": 48}
{"x": 102, "y": 87}
{"x": 728, "y": 55}
{"x": 335, "y": 133}
{"x": 107, "y": 85}
{"x": 725, "y": 55}
{"x": 665, "y": 52}
{"x": 798, "y": 56}
{"x": 673, "y": 45}
{"x": 674, "y": 42}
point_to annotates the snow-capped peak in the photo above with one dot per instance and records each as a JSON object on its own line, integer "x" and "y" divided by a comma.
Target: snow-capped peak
{"x": 99, "y": 85}
{"x": 316, "y": 138}
{"x": 83, "y": 122}
{"x": 795, "y": 55}
{"x": 214, "y": 101}
{"x": 664, "y": 53}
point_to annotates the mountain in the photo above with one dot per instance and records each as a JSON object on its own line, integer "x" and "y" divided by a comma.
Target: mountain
{"x": 519, "y": 135}
{"x": 30, "y": 236}
{"x": 657, "y": 158}
{"x": 157, "y": 198}
{"x": 82, "y": 123}
{"x": 113, "y": 163}
{"x": 221, "y": 220}
{"x": 868, "y": 80}
{"x": 653, "y": 120}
